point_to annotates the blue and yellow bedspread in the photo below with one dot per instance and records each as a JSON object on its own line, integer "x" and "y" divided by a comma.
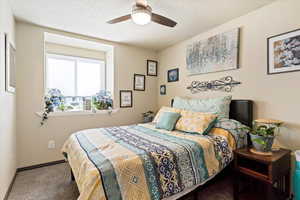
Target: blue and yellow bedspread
{"x": 141, "y": 162}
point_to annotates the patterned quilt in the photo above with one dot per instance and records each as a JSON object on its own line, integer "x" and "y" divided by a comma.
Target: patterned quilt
{"x": 142, "y": 162}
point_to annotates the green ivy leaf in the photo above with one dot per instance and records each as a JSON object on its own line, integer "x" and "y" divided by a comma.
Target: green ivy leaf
{"x": 260, "y": 141}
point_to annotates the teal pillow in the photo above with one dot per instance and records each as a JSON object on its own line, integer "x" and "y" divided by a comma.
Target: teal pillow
{"x": 167, "y": 120}
{"x": 219, "y": 106}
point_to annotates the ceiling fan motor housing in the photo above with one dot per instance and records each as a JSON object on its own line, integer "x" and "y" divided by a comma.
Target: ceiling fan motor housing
{"x": 141, "y": 9}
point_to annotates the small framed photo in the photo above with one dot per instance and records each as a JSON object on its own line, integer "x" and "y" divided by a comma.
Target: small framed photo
{"x": 163, "y": 90}
{"x": 125, "y": 99}
{"x": 284, "y": 52}
{"x": 152, "y": 67}
{"x": 10, "y": 66}
{"x": 139, "y": 82}
{"x": 173, "y": 75}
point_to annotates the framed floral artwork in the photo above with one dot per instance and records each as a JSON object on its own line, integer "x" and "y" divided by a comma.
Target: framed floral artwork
{"x": 284, "y": 52}
{"x": 173, "y": 75}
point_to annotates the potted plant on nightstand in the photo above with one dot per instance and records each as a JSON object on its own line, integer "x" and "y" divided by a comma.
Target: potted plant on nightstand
{"x": 262, "y": 135}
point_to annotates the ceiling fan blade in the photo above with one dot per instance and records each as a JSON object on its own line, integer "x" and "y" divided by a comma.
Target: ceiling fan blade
{"x": 143, "y": 3}
{"x": 163, "y": 20}
{"x": 119, "y": 19}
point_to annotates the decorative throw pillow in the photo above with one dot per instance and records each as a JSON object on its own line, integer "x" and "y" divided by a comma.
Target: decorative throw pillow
{"x": 196, "y": 122}
{"x": 235, "y": 128}
{"x": 165, "y": 109}
{"x": 219, "y": 105}
{"x": 167, "y": 120}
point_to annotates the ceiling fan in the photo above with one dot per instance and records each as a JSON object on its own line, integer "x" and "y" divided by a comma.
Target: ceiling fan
{"x": 142, "y": 14}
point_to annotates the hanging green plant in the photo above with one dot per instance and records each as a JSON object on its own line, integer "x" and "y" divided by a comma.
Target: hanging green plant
{"x": 53, "y": 99}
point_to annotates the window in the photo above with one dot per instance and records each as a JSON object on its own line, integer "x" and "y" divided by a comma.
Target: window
{"x": 76, "y": 78}
{"x": 76, "y": 83}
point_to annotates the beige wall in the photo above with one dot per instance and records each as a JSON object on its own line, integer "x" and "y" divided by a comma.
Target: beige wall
{"x": 74, "y": 51}
{"x": 275, "y": 96}
{"x": 7, "y": 107}
{"x": 32, "y": 139}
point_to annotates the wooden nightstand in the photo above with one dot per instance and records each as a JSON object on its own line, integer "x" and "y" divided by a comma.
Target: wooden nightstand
{"x": 273, "y": 171}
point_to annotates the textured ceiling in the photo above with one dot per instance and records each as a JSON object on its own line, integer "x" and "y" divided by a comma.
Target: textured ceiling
{"x": 88, "y": 17}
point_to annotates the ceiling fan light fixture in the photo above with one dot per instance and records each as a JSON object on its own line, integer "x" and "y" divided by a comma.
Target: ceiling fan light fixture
{"x": 141, "y": 15}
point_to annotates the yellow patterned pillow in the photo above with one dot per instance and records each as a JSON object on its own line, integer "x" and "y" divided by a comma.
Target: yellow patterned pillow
{"x": 195, "y": 122}
{"x": 165, "y": 109}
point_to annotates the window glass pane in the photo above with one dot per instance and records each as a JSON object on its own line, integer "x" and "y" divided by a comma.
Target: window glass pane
{"x": 77, "y": 78}
{"x": 89, "y": 77}
{"x": 61, "y": 75}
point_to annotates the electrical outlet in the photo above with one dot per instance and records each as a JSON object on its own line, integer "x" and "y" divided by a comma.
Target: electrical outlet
{"x": 51, "y": 144}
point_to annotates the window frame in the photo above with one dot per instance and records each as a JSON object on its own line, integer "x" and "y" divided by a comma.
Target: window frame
{"x": 75, "y": 59}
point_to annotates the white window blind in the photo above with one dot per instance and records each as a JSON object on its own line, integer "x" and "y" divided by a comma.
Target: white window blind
{"x": 75, "y": 76}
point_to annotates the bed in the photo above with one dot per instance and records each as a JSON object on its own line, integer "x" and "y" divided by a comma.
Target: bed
{"x": 142, "y": 162}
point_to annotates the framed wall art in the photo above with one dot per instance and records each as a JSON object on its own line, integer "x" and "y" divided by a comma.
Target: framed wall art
{"x": 284, "y": 52}
{"x": 163, "y": 90}
{"x": 126, "y": 99}
{"x": 139, "y": 82}
{"x": 2, "y": 56}
{"x": 152, "y": 68}
{"x": 217, "y": 53}
{"x": 10, "y": 66}
{"x": 173, "y": 75}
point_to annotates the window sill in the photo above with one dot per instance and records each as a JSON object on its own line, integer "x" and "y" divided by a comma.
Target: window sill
{"x": 74, "y": 113}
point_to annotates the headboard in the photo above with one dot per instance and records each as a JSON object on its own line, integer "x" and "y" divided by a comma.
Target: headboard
{"x": 240, "y": 110}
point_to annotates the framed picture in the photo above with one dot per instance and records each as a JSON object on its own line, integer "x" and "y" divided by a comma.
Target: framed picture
{"x": 10, "y": 66}
{"x": 152, "y": 68}
{"x": 284, "y": 52}
{"x": 217, "y": 53}
{"x": 125, "y": 98}
{"x": 2, "y": 56}
{"x": 139, "y": 82}
{"x": 173, "y": 75}
{"x": 163, "y": 90}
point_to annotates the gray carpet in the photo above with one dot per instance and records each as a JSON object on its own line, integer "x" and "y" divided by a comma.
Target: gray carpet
{"x": 54, "y": 183}
{"x": 46, "y": 183}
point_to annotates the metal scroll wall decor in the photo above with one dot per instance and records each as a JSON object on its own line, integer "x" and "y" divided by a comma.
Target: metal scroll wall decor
{"x": 224, "y": 84}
